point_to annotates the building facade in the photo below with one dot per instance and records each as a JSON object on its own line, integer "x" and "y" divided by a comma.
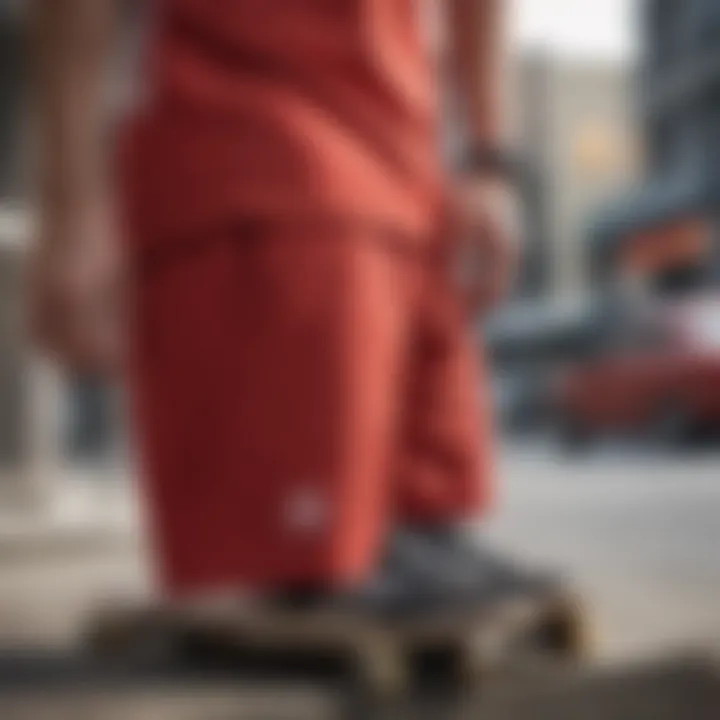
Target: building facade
{"x": 12, "y": 356}
{"x": 13, "y": 68}
{"x": 665, "y": 230}
{"x": 574, "y": 126}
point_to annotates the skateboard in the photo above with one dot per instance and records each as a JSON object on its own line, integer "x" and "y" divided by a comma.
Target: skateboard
{"x": 672, "y": 688}
{"x": 384, "y": 656}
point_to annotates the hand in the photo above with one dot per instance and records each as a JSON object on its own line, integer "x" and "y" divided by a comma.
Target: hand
{"x": 77, "y": 289}
{"x": 486, "y": 225}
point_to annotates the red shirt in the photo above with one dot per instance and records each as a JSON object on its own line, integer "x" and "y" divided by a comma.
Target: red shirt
{"x": 287, "y": 108}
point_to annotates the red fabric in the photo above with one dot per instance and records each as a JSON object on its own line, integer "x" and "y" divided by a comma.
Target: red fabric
{"x": 298, "y": 389}
{"x": 283, "y": 108}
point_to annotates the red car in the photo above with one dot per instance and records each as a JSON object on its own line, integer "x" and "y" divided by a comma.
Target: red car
{"x": 657, "y": 372}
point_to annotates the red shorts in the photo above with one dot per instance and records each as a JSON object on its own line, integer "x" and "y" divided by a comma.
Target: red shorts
{"x": 298, "y": 391}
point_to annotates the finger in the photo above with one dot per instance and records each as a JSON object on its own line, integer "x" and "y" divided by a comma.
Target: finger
{"x": 492, "y": 276}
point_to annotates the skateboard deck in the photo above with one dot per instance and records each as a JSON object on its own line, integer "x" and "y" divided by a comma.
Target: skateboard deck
{"x": 383, "y": 655}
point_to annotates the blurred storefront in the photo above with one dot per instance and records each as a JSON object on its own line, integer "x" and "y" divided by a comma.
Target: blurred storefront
{"x": 664, "y": 234}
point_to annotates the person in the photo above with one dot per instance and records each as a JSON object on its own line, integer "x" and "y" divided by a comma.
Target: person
{"x": 276, "y": 252}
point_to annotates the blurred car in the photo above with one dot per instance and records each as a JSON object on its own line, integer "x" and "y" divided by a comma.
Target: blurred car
{"x": 656, "y": 372}
{"x": 526, "y": 341}
{"x": 520, "y": 401}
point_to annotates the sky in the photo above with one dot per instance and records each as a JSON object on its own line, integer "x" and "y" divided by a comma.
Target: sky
{"x": 577, "y": 28}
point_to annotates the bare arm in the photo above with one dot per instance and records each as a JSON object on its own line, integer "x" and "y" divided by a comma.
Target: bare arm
{"x": 75, "y": 268}
{"x": 485, "y": 202}
{"x": 477, "y": 48}
{"x": 72, "y": 41}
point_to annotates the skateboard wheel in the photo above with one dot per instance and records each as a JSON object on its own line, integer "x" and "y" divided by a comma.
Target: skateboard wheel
{"x": 109, "y": 637}
{"x": 472, "y": 666}
{"x": 117, "y": 636}
{"x": 382, "y": 670}
{"x": 564, "y": 630}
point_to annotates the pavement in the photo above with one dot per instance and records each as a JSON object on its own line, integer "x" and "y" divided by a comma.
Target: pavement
{"x": 638, "y": 533}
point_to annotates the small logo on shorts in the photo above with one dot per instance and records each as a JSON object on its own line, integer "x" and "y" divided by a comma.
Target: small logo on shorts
{"x": 306, "y": 510}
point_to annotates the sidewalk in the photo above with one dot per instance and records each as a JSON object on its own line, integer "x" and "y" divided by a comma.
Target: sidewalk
{"x": 60, "y": 557}
{"x": 79, "y": 511}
